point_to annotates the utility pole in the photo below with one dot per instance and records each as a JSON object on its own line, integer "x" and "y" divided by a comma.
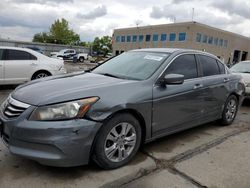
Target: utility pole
{"x": 192, "y": 14}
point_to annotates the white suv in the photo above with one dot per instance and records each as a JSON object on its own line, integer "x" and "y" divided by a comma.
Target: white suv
{"x": 19, "y": 65}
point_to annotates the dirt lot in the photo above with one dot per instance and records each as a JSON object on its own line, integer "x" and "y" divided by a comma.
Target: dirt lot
{"x": 206, "y": 156}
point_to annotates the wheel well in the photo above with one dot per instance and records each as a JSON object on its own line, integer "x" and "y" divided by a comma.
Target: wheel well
{"x": 236, "y": 95}
{"x": 134, "y": 113}
{"x": 138, "y": 116}
{"x": 40, "y": 71}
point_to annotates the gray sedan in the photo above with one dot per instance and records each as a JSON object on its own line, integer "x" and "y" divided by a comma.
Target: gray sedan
{"x": 105, "y": 114}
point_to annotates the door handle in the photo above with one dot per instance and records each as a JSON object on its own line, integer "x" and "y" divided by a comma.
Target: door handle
{"x": 33, "y": 64}
{"x": 226, "y": 80}
{"x": 197, "y": 86}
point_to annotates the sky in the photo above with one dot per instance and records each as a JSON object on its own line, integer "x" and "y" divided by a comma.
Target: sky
{"x": 21, "y": 19}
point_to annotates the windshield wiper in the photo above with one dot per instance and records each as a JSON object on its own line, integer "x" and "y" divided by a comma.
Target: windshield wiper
{"x": 246, "y": 72}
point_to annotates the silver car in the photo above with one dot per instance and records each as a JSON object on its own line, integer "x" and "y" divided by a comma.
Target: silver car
{"x": 105, "y": 114}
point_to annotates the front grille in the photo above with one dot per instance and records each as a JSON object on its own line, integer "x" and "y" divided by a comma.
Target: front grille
{"x": 14, "y": 108}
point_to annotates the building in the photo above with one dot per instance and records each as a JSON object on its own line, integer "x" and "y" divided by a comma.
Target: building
{"x": 229, "y": 47}
{"x": 47, "y": 48}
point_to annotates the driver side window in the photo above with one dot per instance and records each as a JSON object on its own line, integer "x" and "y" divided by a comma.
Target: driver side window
{"x": 185, "y": 65}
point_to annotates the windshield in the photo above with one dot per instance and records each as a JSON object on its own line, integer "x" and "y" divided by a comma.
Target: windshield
{"x": 241, "y": 67}
{"x": 132, "y": 65}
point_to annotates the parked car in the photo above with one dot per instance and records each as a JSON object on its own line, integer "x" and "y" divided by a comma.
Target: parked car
{"x": 19, "y": 65}
{"x": 105, "y": 114}
{"x": 69, "y": 54}
{"x": 243, "y": 68}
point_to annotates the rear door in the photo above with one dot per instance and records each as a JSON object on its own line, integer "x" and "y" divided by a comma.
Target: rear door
{"x": 216, "y": 84}
{"x": 1, "y": 66}
{"x": 177, "y": 107}
{"x": 19, "y": 66}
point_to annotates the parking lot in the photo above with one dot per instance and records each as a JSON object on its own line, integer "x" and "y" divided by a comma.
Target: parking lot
{"x": 206, "y": 156}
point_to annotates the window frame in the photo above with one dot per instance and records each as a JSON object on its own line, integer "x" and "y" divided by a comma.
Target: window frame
{"x": 155, "y": 37}
{"x": 148, "y": 37}
{"x": 184, "y": 35}
{"x": 170, "y": 37}
{"x": 128, "y": 38}
{"x": 134, "y": 38}
{"x": 163, "y": 37}
{"x": 141, "y": 38}
{"x": 201, "y": 67}
{"x": 6, "y": 55}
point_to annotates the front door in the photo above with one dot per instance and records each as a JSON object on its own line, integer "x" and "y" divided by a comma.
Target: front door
{"x": 177, "y": 107}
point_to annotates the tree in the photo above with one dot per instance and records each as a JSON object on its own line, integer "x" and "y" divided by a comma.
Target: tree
{"x": 102, "y": 45}
{"x": 59, "y": 33}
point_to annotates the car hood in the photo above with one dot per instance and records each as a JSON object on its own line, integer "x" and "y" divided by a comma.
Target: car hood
{"x": 66, "y": 88}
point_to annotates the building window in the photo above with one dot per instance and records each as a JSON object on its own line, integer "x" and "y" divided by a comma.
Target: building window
{"x": 118, "y": 39}
{"x": 123, "y": 39}
{"x": 163, "y": 37}
{"x": 221, "y": 42}
{"x": 129, "y": 38}
{"x": 182, "y": 36}
{"x": 225, "y": 43}
{"x": 216, "y": 41}
{"x": 210, "y": 40}
{"x": 148, "y": 38}
{"x": 155, "y": 37}
{"x": 140, "y": 38}
{"x": 204, "y": 39}
{"x": 134, "y": 38}
{"x": 198, "y": 37}
{"x": 172, "y": 36}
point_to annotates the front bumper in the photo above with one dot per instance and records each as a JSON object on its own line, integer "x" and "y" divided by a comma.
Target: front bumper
{"x": 53, "y": 143}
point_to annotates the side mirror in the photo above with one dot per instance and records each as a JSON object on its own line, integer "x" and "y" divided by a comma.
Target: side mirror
{"x": 173, "y": 79}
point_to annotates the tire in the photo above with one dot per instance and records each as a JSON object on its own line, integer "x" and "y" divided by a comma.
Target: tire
{"x": 115, "y": 150}
{"x": 230, "y": 110}
{"x": 41, "y": 74}
{"x": 81, "y": 59}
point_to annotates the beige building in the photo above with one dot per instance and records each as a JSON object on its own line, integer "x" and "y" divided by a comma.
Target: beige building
{"x": 229, "y": 47}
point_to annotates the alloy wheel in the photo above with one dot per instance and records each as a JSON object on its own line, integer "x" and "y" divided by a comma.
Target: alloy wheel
{"x": 120, "y": 142}
{"x": 231, "y": 109}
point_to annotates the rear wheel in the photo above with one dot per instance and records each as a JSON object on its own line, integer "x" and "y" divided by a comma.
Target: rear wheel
{"x": 118, "y": 141}
{"x": 40, "y": 74}
{"x": 81, "y": 59}
{"x": 230, "y": 110}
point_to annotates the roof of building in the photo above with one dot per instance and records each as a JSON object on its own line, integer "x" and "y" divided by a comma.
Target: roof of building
{"x": 182, "y": 24}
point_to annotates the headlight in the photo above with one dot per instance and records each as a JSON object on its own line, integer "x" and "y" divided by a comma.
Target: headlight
{"x": 63, "y": 111}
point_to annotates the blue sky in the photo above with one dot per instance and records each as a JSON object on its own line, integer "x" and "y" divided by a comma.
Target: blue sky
{"x": 21, "y": 19}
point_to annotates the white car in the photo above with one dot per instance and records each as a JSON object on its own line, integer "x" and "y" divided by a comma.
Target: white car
{"x": 19, "y": 65}
{"x": 243, "y": 68}
{"x": 68, "y": 54}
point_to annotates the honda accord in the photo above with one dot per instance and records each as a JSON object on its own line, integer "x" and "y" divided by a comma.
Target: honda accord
{"x": 106, "y": 113}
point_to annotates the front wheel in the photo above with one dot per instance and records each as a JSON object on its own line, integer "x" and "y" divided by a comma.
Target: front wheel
{"x": 118, "y": 141}
{"x": 230, "y": 110}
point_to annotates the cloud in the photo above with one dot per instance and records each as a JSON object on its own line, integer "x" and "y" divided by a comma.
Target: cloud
{"x": 239, "y": 7}
{"x": 95, "y": 13}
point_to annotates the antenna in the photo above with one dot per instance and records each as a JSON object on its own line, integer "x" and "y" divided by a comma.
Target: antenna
{"x": 192, "y": 14}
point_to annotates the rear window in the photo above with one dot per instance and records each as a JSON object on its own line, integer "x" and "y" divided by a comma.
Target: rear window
{"x": 209, "y": 65}
{"x": 19, "y": 55}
